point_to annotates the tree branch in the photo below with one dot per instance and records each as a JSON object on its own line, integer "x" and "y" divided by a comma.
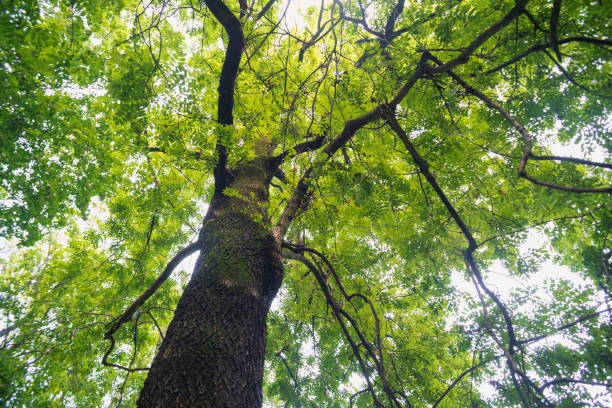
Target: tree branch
{"x": 393, "y": 17}
{"x": 571, "y": 160}
{"x": 350, "y": 128}
{"x": 265, "y": 9}
{"x": 466, "y": 372}
{"x": 308, "y": 146}
{"x": 563, "y": 327}
{"x": 554, "y": 22}
{"x": 462, "y": 58}
{"x": 572, "y": 380}
{"x": 540, "y": 47}
{"x": 527, "y": 138}
{"x": 131, "y": 311}
{"x": 424, "y": 168}
{"x": 469, "y": 261}
{"x": 292, "y": 253}
{"x": 227, "y": 82}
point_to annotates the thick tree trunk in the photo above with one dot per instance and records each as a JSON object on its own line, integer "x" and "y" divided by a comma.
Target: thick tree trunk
{"x": 213, "y": 352}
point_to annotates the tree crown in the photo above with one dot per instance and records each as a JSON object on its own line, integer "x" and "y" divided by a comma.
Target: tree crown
{"x": 410, "y": 140}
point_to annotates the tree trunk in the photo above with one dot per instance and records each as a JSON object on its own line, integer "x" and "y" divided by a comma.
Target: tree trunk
{"x": 214, "y": 349}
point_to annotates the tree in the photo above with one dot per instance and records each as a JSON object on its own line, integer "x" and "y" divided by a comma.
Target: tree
{"x": 358, "y": 156}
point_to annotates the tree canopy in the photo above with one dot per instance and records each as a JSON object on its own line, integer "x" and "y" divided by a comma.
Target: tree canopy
{"x": 420, "y": 143}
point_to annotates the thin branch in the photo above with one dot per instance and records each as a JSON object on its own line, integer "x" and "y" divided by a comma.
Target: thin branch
{"x": 540, "y": 47}
{"x": 466, "y": 372}
{"x": 527, "y": 138}
{"x": 197, "y": 155}
{"x": 131, "y": 311}
{"x": 575, "y": 381}
{"x": 161, "y": 333}
{"x": 106, "y": 363}
{"x": 571, "y": 160}
{"x": 563, "y": 327}
{"x": 294, "y": 378}
{"x": 605, "y": 190}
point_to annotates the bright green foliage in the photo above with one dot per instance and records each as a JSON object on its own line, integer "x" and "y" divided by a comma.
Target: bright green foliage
{"x": 106, "y": 115}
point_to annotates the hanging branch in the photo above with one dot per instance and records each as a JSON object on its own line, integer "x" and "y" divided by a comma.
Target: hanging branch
{"x": 296, "y": 385}
{"x": 375, "y": 356}
{"x": 469, "y": 260}
{"x": 298, "y": 256}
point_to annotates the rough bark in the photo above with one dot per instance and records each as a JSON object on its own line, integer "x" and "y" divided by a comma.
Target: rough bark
{"x": 213, "y": 353}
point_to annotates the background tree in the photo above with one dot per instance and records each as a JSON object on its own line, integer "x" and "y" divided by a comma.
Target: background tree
{"x": 370, "y": 148}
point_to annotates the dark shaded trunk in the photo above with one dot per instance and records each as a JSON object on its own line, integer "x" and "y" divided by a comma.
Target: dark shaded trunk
{"x": 214, "y": 349}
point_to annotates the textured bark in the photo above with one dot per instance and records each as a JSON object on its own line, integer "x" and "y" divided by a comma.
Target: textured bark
{"x": 213, "y": 353}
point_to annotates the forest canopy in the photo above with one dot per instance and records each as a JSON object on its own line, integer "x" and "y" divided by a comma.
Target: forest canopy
{"x": 416, "y": 157}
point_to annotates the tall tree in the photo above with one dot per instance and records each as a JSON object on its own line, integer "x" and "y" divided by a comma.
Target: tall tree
{"x": 352, "y": 158}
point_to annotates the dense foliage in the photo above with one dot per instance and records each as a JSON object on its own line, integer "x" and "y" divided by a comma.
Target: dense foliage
{"x": 108, "y": 144}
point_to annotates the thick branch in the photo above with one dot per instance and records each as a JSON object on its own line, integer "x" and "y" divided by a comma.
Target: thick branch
{"x": 469, "y": 259}
{"x": 308, "y": 146}
{"x": 227, "y": 81}
{"x": 554, "y": 22}
{"x": 393, "y": 17}
{"x": 265, "y": 9}
{"x": 516, "y": 11}
{"x": 350, "y": 128}
{"x": 424, "y": 168}
{"x": 302, "y": 187}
